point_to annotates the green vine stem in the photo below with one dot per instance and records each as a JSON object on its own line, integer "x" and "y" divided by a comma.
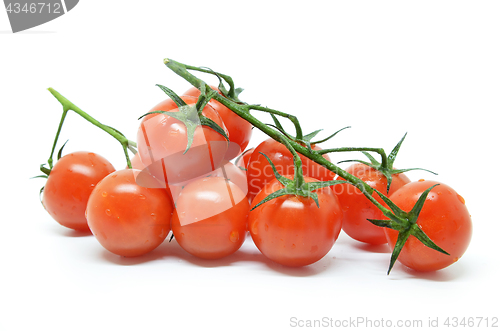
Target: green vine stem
{"x": 67, "y": 106}
{"x": 380, "y": 151}
{"x": 403, "y": 222}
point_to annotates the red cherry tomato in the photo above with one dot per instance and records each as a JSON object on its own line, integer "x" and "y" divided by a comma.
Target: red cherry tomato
{"x": 228, "y": 171}
{"x": 69, "y": 185}
{"x": 260, "y": 173}
{"x": 162, "y": 140}
{"x": 240, "y": 130}
{"x": 357, "y": 208}
{"x": 444, "y": 218}
{"x": 128, "y": 219}
{"x": 292, "y": 230}
{"x": 210, "y": 218}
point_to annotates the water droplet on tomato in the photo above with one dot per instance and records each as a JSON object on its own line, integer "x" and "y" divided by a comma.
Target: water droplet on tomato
{"x": 104, "y": 194}
{"x": 153, "y": 216}
{"x": 234, "y": 236}
{"x": 254, "y": 228}
{"x": 461, "y": 199}
{"x": 108, "y": 212}
{"x": 142, "y": 197}
{"x": 421, "y": 180}
{"x": 182, "y": 214}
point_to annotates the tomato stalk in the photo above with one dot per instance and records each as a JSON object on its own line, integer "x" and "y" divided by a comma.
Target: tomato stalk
{"x": 398, "y": 220}
{"x": 386, "y": 167}
{"x": 67, "y": 106}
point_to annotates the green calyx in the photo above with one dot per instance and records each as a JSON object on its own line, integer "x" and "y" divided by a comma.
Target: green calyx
{"x": 297, "y": 186}
{"x": 191, "y": 115}
{"x": 386, "y": 167}
{"x": 406, "y": 224}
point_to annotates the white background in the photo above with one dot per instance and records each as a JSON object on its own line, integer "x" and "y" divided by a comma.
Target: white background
{"x": 429, "y": 68}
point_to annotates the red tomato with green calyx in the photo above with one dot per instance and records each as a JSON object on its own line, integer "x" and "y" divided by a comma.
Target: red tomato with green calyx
{"x": 260, "y": 172}
{"x": 444, "y": 218}
{"x": 291, "y": 230}
{"x": 162, "y": 141}
{"x": 240, "y": 131}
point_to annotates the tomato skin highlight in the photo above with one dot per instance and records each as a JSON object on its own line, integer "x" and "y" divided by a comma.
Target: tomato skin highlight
{"x": 70, "y": 183}
{"x": 210, "y": 219}
{"x": 240, "y": 131}
{"x": 260, "y": 173}
{"x": 162, "y": 141}
{"x": 127, "y": 219}
{"x": 292, "y": 230}
{"x": 444, "y": 218}
{"x": 357, "y": 208}
{"x": 227, "y": 170}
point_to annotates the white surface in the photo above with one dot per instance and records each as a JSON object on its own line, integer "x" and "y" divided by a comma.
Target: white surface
{"x": 429, "y": 68}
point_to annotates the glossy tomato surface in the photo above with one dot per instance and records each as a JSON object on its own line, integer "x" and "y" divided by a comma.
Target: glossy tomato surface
{"x": 69, "y": 185}
{"x": 357, "y": 208}
{"x": 444, "y": 218}
{"x": 260, "y": 173}
{"x": 240, "y": 131}
{"x": 228, "y": 171}
{"x": 128, "y": 219}
{"x": 162, "y": 141}
{"x": 210, "y": 219}
{"x": 292, "y": 230}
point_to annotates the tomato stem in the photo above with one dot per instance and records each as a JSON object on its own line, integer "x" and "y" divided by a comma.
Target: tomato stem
{"x": 67, "y": 106}
{"x": 63, "y": 117}
{"x": 380, "y": 151}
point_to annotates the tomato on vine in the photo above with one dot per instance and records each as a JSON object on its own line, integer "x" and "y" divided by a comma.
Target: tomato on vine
{"x": 445, "y": 220}
{"x": 356, "y": 206}
{"x": 126, "y": 218}
{"x": 210, "y": 218}
{"x": 240, "y": 131}
{"x": 177, "y": 142}
{"x": 357, "y": 209}
{"x": 228, "y": 171}
{"x": 293, "y": 230}
{"x": 69, "y": 185}
{"x": 259, "y": 172}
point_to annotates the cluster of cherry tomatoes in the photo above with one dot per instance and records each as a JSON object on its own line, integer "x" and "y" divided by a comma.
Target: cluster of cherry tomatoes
{"x": 209, "y": 202}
